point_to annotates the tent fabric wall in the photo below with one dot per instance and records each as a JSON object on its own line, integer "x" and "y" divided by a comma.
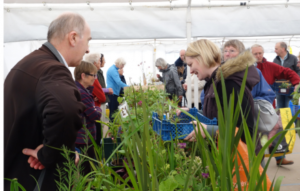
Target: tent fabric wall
{"x": 267, "y": 20}
{"x": 109, "y": 23}
{"x": 25, "y": 24}
{"x": 136, "y": 53}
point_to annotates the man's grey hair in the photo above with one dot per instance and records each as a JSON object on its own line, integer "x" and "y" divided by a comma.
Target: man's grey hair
{"x": 256, "y": 46}
{"x": 93, "y": 57}
{"x": 160, "y": 62}
{"x": 283, "y": 45}
{"x": 64, "y": 24}
{"x": 120, "y": 62}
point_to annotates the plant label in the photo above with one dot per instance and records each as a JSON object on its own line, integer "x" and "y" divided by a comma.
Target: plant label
{"x": 124, "y": 109}
{"x": 283, "y": 90}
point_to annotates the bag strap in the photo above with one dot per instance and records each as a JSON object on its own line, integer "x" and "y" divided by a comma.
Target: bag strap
{"x": 40, "y": 181}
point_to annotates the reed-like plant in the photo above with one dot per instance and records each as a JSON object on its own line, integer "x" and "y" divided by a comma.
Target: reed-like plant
{"x": 152, "y": 165}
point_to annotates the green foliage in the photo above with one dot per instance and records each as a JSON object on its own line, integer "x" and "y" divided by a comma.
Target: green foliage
{"x": 285, "y": 85}
{"x": 296, "y": 95}
{"x": 151, "y": 164}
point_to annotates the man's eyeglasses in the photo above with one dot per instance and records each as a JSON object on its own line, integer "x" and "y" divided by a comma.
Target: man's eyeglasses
{"x": 94, "y": 75}
{"x": 229, "y": 51}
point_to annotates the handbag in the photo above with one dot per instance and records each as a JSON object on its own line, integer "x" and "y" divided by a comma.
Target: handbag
{"x": 267, "y": 115}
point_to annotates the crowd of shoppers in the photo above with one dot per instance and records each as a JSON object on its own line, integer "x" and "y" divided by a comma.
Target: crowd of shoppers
{"x": 44, "y": 108}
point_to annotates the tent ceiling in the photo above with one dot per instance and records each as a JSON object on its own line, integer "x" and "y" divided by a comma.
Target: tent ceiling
{"x": 102, "y": 1}
{"x": 79, "y": 1}
{"x": 147, "y": 22}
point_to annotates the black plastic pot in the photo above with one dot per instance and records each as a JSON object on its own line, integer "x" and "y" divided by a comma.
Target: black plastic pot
{"x": 118, "y": 166}
{"x": 109, "y": 146}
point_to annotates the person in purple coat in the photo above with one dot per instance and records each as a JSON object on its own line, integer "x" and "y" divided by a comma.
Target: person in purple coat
{"x": 85, "y": 75}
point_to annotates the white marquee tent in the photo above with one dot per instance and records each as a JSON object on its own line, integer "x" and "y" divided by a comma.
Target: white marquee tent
{"x": 143, "y": 30}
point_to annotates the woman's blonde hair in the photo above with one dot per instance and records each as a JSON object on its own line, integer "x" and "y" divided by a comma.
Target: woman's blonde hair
{"x": 204, "y": 51}
{"x": 84, "y": 67}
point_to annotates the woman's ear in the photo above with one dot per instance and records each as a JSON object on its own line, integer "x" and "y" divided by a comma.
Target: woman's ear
{"x": 82, "y": 76}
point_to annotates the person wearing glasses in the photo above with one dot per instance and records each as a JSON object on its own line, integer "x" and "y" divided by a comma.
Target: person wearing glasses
{"x": 85, "y": 76}
{"x": 114, "y": 81}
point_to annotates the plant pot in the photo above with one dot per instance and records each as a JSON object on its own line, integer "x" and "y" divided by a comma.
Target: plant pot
{"x": 109, "y": 146}
{"x": 117, "y": 166}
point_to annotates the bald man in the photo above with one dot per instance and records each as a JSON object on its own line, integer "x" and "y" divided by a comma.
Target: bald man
{"x": 42, "y": 106}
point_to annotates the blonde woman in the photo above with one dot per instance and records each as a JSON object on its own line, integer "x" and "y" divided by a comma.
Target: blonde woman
{"x": 204, "y": 59}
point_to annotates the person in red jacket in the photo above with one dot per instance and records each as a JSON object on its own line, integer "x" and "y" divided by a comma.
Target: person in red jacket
{"x": 99, "y": 95}
{"x": 272, "y": 72}
{"x": 99, "y": 98}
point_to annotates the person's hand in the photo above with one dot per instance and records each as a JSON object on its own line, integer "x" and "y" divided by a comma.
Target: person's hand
{"x": 96, "y": 99}
{"x": 180, "y": 97}
{"x": 33, "y": 159}
{"x": 298, "y": 64}
{"x": 184, "y": 86}
{"x": 192, "y": 136}
{"x": 296, "y": 87}
{"x": 110, "y": 91}
{"x": 178, "y": 112}
{"x": 158, "y": 76}
{"x": 76, "y": 158}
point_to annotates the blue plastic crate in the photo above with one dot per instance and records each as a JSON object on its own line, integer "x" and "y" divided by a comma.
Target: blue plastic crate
{"x": 165, "y": 128}
{"x": 294, "y": 109}
{"x": 282, "y": 91}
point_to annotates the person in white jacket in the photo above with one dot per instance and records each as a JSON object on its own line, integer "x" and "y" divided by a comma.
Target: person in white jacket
{"x": 201, "y": 84}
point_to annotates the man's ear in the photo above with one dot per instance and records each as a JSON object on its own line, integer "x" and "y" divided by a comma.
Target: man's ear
{"x": 72, "y": 37}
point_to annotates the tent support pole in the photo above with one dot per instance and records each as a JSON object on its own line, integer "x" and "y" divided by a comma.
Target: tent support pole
{"x": 154, "y": 58}
{"x": 188, "y": 40}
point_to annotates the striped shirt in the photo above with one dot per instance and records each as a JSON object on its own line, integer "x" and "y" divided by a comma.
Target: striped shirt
{"x": 91, "y": 114}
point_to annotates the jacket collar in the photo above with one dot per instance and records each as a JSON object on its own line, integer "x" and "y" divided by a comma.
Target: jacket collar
{"x": 54, "y": 51}
{"x": 237, "y": 64}
{"x": 287, "y": 56}
{"x": 89, "y": 90}
{"x": 210, "y": 79}
{"x": 167, "y": 69}
{"x": 263, "y": 61}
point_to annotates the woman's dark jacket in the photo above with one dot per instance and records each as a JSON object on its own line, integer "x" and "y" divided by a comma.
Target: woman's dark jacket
{"x": 233, "y": 71}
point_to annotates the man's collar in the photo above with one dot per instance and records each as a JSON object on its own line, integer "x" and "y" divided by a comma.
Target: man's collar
{"x": 63, "y": 59}
{"x": 285, "y": 57}
{"x": 59, "y": 57}
{"x": 263, "y": 60}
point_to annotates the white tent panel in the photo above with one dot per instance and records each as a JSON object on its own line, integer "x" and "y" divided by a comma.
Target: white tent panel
{"x": 122, "y": 23}
{"x": 78, "y": 1}
{"x": 267, "y": 20}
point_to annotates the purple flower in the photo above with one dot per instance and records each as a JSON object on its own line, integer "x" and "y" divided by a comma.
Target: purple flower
{"x": 205, "y": 175}
{"x": 182, "y": 145}
{"x": 140, "y": 103}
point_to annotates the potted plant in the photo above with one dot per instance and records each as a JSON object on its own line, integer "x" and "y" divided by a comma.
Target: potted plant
{"x": 284, "y": 88}
{"x": 111, "y": 143}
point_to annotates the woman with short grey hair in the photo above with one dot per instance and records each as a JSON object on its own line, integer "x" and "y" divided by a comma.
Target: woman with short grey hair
{"x": 170, "y": 78}
{"x": 160, "y": 62}
{"x": 120, "y": 63}
{"x": 114, "y": 81}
